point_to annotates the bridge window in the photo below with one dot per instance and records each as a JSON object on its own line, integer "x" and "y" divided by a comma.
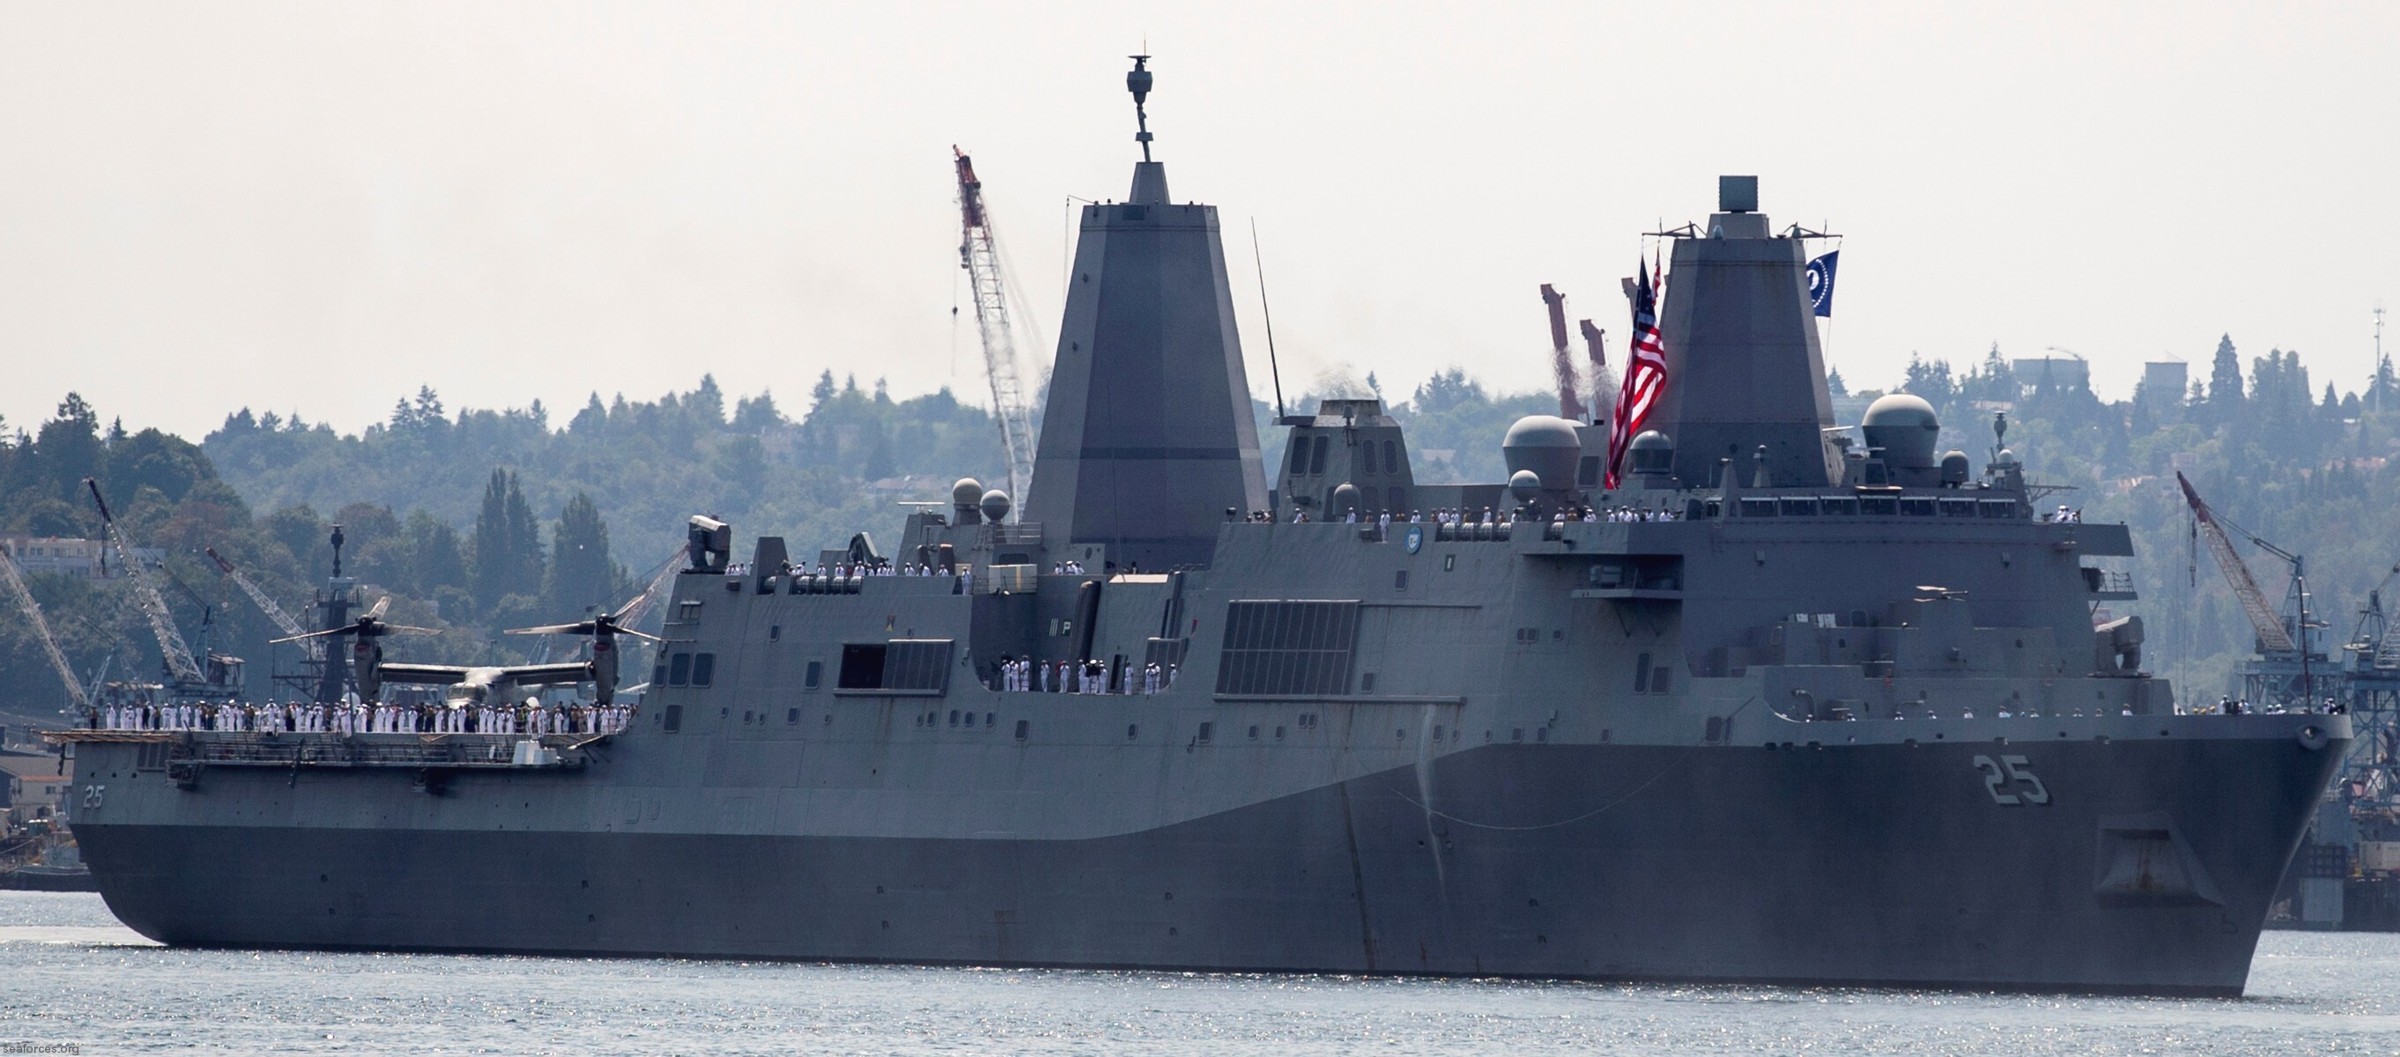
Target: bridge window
{"x": 704, "y": 668}
{"x": 679, "y": 669}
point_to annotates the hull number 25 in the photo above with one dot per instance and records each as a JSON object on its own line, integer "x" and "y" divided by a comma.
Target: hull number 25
{"x": 2011, "y": 781}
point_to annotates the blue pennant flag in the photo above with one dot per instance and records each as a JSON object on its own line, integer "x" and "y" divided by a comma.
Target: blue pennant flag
{"x": 1820, "y": 282}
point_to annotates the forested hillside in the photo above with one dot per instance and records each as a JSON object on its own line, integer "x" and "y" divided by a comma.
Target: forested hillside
{"x": 476, "y": 519}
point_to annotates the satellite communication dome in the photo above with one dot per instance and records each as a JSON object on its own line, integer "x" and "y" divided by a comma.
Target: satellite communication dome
{"x": 1905, "y": 427}
{"x": 1954, "y": 467}
{"x": 1345, "y": 498}
{"x": 1525, "y": 485}
{"x": 1544, "y": 444}
{"x": 1651, "y": 452}
{"x": 995, "y": 505}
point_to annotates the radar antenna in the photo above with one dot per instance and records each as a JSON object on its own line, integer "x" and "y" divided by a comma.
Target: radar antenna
{"x": 1138, "y": 82}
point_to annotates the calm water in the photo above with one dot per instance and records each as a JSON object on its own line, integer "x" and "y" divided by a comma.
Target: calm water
{"x": 70, "y": 974}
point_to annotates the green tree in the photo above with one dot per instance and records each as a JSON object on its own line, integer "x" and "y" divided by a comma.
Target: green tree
{"x": 582, "y": 574}
{"x": 2225, "y": 382}
{"x": 507, "y": 544}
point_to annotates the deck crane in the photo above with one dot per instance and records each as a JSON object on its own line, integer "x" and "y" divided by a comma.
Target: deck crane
{"x": 979, "y": 254}
{"x": 15, "y": 580}
{"x": 181, "y": 668}
{"x": 266, "y": 604}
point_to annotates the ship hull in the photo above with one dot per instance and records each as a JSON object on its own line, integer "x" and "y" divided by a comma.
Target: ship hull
{"x": 2146, "y": 867}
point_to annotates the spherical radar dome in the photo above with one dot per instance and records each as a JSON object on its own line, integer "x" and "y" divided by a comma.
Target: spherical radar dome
{"x": 967, "y": 492}
{"x": 1544, "y": 444}
{"x": 1524, "y": 484}
{"x": 995, "y": 505}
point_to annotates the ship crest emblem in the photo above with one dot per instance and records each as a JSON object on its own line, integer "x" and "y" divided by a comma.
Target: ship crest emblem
{"x": 1415, "y": 538}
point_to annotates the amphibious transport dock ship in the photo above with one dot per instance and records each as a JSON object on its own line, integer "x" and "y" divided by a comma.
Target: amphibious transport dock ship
{"x": 1802, "y": 705}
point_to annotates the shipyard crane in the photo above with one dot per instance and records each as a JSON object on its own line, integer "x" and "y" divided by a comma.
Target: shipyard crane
{"x": 2273, "y": 636}
{"x": 2375, "y": 642}
{"x": 15, "y": 579}
{"x": 181, "y": 668}
{"x": 979, "y": 254}
{"x": 266, "y": 604}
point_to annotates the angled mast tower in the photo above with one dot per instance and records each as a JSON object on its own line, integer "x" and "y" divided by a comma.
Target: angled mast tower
{"x": 1147, "y": 439}
{"x": 1744, "y": 367}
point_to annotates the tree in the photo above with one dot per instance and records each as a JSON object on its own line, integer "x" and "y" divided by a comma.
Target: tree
{"x": 582, "y": 574}
{"x": 742, "y": 463}
{"x": 67, "y": 448}
{"x": 589, "y": 420}
{"x": 1930, "y": 380}
{"x": 435, "y": 562}
{"x": 2225, "y": 382}
{"x": 507, "y": 543}
{"x": 707, "y": 403}
{"x": 1447, "y": 390}
{"x": 754, "y": 414}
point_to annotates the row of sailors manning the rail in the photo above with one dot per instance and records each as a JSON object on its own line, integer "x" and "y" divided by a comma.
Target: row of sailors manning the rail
{"x": 1581, "y": 512}
{"x": 532, "y": 717}
{"x": 850, "y": 571}
{"x": 1026, "y": 675}
{"x": 2224, "y": 706}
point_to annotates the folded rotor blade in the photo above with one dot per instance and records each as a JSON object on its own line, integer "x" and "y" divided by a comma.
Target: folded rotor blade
{"x": 584, "y": 628}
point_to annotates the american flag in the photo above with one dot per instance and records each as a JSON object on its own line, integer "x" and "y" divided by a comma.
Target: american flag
{"x": 1645, "y": 375}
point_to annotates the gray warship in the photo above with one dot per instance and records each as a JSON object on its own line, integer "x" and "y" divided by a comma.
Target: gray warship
{"x": 1805, "y": 706}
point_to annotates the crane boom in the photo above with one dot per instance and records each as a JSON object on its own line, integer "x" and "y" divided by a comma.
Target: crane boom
{"x": 178, "y": 654}
{"x": 979, "y": 254}
{"x": 2272, "y": 635}
{"x": 266, "y": 604}
{"x": 41, "y": 629}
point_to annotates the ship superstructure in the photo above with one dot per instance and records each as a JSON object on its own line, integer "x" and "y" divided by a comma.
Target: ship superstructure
{"x": 1787, "y": 706}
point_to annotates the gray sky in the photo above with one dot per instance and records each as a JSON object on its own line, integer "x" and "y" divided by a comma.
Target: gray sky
{"x": 321, "y": 206}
